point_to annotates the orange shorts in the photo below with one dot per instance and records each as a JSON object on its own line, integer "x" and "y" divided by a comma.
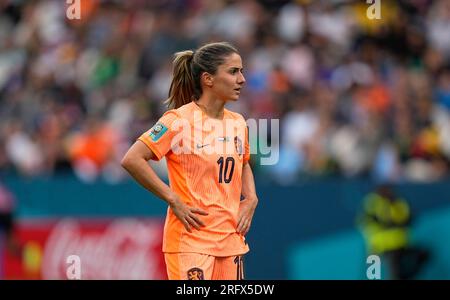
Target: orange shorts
{"x": 196, "y": 266}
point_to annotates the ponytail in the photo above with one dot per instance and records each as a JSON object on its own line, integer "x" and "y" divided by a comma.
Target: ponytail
{"x": 182, "y": 89}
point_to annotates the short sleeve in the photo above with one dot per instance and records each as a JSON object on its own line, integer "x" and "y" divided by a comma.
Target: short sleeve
{"x": 159, "y": 137}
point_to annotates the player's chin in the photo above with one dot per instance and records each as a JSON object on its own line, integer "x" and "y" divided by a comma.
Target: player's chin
{"x": 234, "y": 96}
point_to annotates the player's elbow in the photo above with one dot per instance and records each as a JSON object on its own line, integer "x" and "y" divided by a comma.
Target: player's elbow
{"x": 126, "y": 161}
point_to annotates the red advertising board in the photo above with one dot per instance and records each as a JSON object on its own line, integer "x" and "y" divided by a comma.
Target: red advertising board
{"x": 105, "y": 249}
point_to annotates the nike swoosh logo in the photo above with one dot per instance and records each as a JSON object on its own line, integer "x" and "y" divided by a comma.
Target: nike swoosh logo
{"x": 201, "y": 146}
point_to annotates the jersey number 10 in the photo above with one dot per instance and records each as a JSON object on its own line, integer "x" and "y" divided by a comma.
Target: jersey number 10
{"x": 224, "y": 175}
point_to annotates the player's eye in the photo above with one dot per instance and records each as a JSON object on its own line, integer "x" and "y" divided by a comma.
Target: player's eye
{"x": 234, "y": 71}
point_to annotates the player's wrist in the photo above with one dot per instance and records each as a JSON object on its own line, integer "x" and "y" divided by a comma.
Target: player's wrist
{"x": 172, "y": 199}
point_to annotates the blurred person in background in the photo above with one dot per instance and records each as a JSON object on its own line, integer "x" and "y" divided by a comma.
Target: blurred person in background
{"x": 386, "y": 223}
{"x": 91, "y": 148}
{"x": 8, "y": 241}
{"x": 206, "y": 223}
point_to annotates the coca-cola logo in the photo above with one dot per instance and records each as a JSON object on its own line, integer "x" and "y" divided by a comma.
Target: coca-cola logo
{"x": 123, "y": 249}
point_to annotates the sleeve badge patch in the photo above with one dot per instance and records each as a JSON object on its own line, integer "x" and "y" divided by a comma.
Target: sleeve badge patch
{"x": 157, "y": 131}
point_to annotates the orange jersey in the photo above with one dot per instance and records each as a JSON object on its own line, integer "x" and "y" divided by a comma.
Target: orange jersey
{"x": 204, "y": 158}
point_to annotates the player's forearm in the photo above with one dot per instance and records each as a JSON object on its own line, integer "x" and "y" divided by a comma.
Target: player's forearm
{"x": 143, "y": 173}
{"x": 248, "y": 184}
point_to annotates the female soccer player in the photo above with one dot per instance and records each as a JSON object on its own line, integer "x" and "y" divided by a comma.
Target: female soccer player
{"x": 207, "y": 153}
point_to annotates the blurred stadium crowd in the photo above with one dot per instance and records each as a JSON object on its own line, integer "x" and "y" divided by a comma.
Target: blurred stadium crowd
{"x": 354, "y": 96}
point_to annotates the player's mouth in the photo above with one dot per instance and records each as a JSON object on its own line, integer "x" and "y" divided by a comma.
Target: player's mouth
{"x": 237, "y": 90}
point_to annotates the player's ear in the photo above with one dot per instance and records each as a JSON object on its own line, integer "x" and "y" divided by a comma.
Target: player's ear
{"x": 207, "y": 79}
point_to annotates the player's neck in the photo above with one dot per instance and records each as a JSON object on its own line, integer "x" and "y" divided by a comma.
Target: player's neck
{"x": 213, "y": 108}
